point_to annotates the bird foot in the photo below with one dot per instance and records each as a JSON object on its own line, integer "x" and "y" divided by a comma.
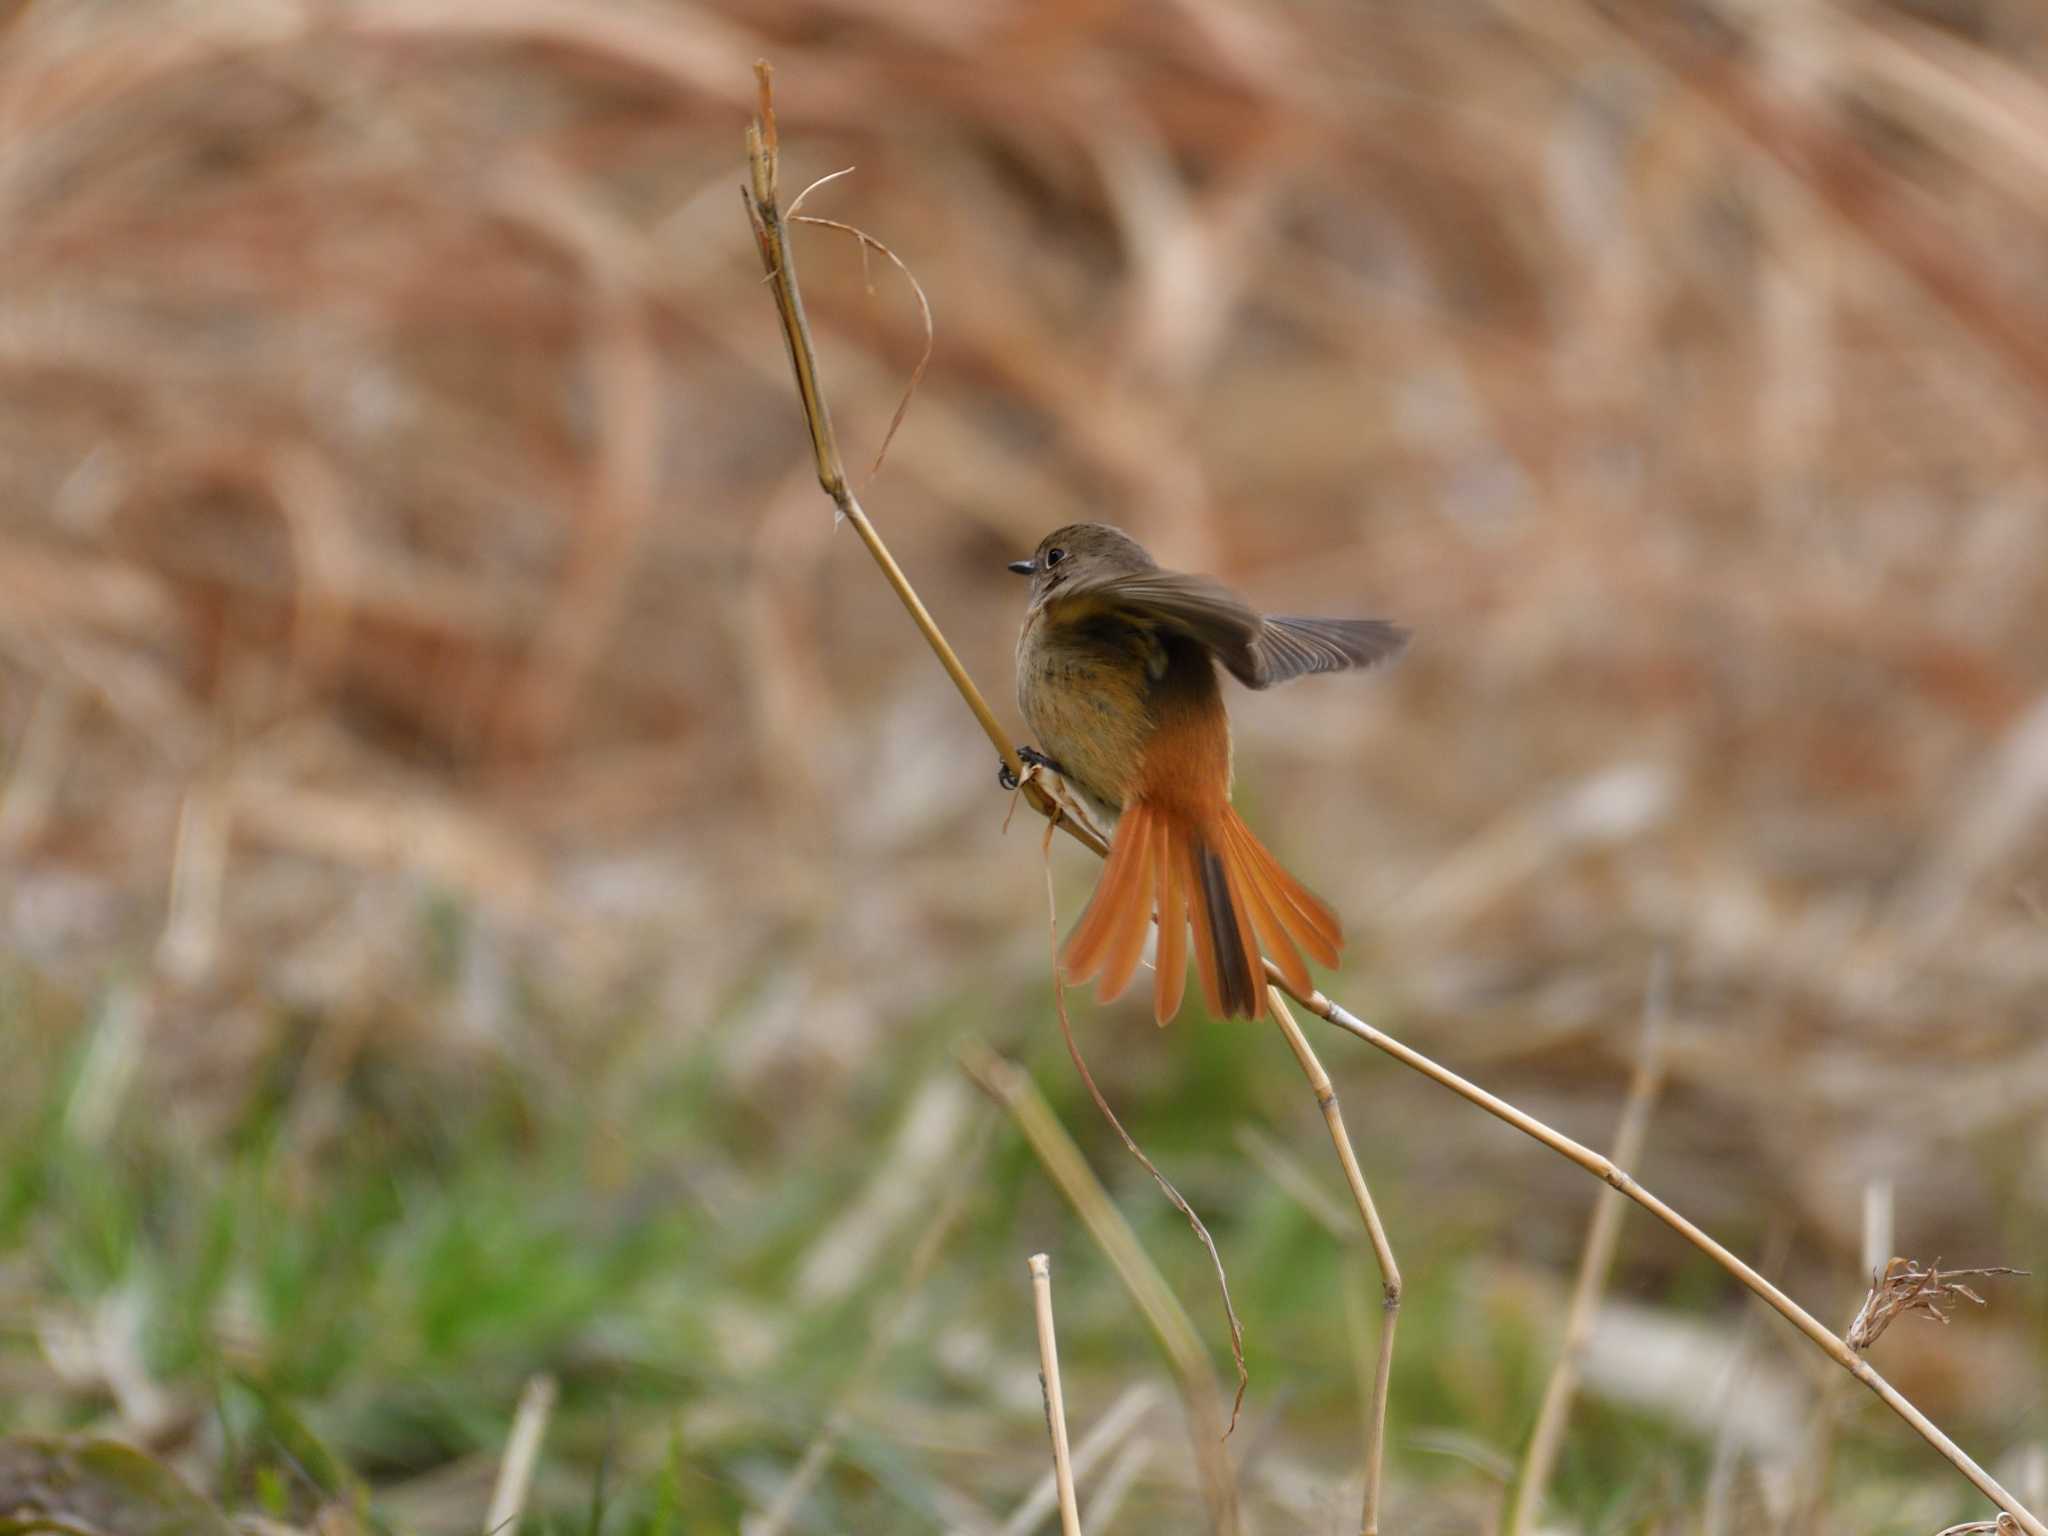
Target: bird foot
{"x": 1031, "y": 757}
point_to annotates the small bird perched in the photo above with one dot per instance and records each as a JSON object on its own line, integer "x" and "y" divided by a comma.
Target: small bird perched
{"x": 1116, "y": 675}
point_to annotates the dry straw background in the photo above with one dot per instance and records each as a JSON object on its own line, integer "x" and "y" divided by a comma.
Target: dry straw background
{"x": 426, "y": 659}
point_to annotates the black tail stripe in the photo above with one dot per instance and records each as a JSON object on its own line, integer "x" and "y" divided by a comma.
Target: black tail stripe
{"x": 1232, "y": 962}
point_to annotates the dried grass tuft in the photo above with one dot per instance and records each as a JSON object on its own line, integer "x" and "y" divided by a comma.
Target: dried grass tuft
{"x": 1903, "y": 1288}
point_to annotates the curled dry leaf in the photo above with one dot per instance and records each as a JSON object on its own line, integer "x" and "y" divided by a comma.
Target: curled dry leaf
{"x": 1903, "y": 1286}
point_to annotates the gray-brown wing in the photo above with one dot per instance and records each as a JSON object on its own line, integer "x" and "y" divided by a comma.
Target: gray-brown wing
{"x": 1193, "y": 605}
{"x": 1288, "y": 646}
{"x": 1258, "y": 651}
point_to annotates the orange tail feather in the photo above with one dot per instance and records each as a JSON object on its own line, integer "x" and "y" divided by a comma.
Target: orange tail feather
{"x": 1312, "y": 923}
{"x": 1110, "y": 937}
{"x": 1172, "y": 961}
{"x": 1132, "y": 921}
{"x": 1260, "y": 900}
{"x": 1207, "y": 964}
{"x": 1216, "y": 879}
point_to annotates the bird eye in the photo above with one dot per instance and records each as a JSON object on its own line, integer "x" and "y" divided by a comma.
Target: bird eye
{"x": 1053, "y": 557}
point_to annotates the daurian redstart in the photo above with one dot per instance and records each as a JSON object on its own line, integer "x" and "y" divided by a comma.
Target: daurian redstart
{"x": 1116, "y": 674}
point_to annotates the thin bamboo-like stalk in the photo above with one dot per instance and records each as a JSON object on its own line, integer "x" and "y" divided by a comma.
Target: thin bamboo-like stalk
{"x": 1603, "y": 1168}
{"x": 766, "y": 215}
{"x": 1382, "y": 1252}
{"x": 771, "y": 234}
{"x": 1539, "y": 1457}
{"x": 1011, "y": 1087}
{"x": 1055, "y": 1399}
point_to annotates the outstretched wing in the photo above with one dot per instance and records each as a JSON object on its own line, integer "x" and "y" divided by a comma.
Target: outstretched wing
{"x": 1293, "y": 647}
{"x": 1259, "y": 651}
{"x": 1191, "y": 605}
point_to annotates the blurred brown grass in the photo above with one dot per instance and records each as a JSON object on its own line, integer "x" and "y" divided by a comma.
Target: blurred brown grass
{"x": 399, "y": 489}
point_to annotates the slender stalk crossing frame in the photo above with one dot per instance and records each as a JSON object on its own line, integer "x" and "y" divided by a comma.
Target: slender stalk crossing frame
{"x": 764, "y": 211}
{"x": 1382, "y": 1253}
{"x": 1055, "y": 1399}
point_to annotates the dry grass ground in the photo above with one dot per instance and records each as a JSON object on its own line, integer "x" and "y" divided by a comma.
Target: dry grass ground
{"x": 491, "y": 884}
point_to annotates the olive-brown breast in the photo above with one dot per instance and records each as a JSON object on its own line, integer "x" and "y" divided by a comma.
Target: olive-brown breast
{"x": 1083, "y": 682}
{"x": 1096, "y": 688}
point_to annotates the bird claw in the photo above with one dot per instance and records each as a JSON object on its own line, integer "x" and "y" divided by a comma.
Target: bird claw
{"x": 1031, "y": 758}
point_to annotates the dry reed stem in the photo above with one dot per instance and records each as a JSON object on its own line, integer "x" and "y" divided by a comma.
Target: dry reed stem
{"x": 1055, "y": 1399}
{"x": 1829, "y": 1343}
{"x": 770, "y": 236}
{"x": 1382, "y": 1252}
{"x": 1010, "y": 1086}
{"x": 522, "y": 1455}
{"x": 1539, "y": 1457}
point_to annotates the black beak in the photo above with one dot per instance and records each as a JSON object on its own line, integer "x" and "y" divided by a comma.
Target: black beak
{"x": 1024, "y": 567}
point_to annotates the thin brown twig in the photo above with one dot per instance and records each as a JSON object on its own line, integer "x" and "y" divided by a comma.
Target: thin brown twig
{"x": 1539, "y": 1457}
{"x": 1055, "y": 1399}
{"x": 765, "y": 214}
{"x": 1382, "y": 1252}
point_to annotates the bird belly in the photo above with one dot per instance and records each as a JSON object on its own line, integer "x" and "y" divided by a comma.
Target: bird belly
{"x": 1088, "y": 706}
